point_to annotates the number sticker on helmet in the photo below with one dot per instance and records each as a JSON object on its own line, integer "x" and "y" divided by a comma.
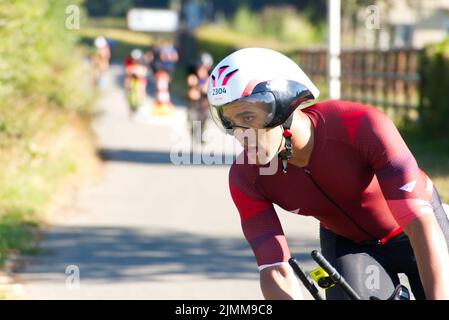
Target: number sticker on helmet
{"x": 216, "y": 91}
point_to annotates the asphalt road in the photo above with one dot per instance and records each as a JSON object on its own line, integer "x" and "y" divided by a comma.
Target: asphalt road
{"x": 152, "y": 229}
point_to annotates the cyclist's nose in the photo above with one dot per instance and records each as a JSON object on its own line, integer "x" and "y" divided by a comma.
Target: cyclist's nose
{"x": 246, "y": 136}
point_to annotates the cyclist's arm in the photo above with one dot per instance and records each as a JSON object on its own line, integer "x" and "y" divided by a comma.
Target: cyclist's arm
{"x": 263, "y": 231}
{"x": 280, "y": 283}
{"x": 408, "y": 192}
{"x": 429, "y": 246}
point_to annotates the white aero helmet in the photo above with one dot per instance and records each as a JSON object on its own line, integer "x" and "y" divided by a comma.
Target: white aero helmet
{"x": 261, "y": 79}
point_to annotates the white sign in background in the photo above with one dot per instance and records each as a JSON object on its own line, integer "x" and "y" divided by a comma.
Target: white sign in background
{"x": 153, "y": 20}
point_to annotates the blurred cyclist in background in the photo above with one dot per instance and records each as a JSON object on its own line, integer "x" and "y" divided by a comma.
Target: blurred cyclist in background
{"x": 135, "y": 80}
{"x": 197, "y": 103}
{"x": 100, "y": 60}
{"x": 149, "y": 57}
{"x": 164, "y": 59}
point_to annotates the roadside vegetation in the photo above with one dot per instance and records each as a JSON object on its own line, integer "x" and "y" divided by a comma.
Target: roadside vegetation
{"x": 46, "y": 94}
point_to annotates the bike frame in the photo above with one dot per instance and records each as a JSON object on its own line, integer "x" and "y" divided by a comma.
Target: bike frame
{"x": 400, "y": 293}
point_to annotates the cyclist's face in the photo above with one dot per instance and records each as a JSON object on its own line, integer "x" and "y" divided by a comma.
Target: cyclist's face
{"x": 247, "y": 115}
{"x": 248, "y": 120}
{"x": 261, "y": 145}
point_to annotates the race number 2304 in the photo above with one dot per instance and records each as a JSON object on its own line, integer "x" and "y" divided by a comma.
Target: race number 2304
{"x": 216, "y": 91}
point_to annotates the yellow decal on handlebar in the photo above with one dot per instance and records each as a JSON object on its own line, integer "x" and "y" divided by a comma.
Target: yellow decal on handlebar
{"x": 322, "y": 278}
{"x": 318, "y": 273}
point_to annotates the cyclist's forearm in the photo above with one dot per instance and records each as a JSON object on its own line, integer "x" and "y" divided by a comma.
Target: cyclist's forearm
{"x": 279, "y": 283}
{"x": 431, "y": 254}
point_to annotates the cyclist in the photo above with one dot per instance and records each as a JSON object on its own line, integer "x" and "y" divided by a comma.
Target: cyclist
{"x": 197, "y": 104}
{"x": 343, "y": 163}
{"x": 168, "y": 57}
{"x": 135, "y": 80}
{"x": 165, "y": 58}
{"x": 149, "y": 58}
{"x": 100, "y": 59}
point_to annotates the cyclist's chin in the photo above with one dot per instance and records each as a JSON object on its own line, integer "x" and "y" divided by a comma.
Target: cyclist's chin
{"x": 259, "y": 156}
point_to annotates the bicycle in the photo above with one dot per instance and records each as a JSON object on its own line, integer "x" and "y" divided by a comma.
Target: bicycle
{"x": 136, "y": 92}
{"x": 133, "y": 93}
{"x": 327, "y": 276}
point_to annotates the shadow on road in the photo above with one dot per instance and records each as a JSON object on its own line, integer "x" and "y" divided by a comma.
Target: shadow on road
{"x": 123, "y": 254}
{"x": 160, "y": 157}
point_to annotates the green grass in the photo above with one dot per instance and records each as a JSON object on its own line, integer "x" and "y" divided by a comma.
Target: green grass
{"x": 34, "y": 174}
{"x": 284, "y": 25}
{"x": 35, "y": 183}
{"x": 30, "y": 179}
{"x": 231, "y": 38}
{"x": 108, "y": 22}
{"x": 117, "y": 34}
{"x": 18, "y": 229}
